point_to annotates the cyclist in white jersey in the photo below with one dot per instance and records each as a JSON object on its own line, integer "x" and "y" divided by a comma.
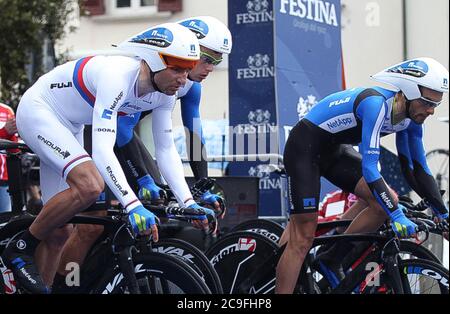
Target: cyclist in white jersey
{"x": 94, "y": 90}
{"x": 215, "y": 40}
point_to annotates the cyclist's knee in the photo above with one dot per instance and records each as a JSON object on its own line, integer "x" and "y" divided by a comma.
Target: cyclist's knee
{"x": 86, "y": 187}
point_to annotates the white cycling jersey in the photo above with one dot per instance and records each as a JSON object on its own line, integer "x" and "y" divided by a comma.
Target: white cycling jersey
{"x": 185, "y": 89}
{"x": 94, "y": 90}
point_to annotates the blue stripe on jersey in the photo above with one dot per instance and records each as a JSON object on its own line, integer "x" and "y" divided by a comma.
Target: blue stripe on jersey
{"x": 190, "y": 109}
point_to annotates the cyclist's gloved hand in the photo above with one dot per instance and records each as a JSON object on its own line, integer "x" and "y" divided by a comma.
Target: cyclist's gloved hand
{"x": 201, "y": 222}
{"x": 402, "y": 226}
{"x": 143, "y": 222}
{"x": 148, "y": 190}
{"x": 215, "y": 201}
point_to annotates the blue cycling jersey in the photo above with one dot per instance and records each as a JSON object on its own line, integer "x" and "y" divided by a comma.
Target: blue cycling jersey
{"x": 362, "y": 116}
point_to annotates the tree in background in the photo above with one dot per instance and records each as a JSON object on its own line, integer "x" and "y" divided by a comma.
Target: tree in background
{"x": 28, "y": 31}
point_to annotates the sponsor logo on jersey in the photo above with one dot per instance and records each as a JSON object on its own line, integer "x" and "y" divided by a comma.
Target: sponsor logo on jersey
{"x": 339, "y": 123}
{"x": 105, "y": 130}
{"x": 258, "y": 66}
{"x": 339, "y": 102}
{"x": 309, "y": 203}
{"x": 317, "y": 10}
{"x": 159, "y": 37}
{"x": 115, "y": 181}
{"x": 386, "y": 200}
{"x": 58, "y": 151}
{"x": 107, "y": 114}
{"x": 60, "y": 85}
{"x": 133, "y": 106}
{"x": 258, "y": 11}
{"x": 116, "y": 101}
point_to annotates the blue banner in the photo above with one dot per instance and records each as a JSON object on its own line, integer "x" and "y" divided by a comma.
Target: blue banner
{"x": 252, "y": 95}
{"x": 308, "y": 60}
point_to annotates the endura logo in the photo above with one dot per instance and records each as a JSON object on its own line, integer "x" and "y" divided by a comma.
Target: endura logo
{"x": 386, "y": 200}
{"x": 55, "y": 148}
{"x": 114, "y": 180}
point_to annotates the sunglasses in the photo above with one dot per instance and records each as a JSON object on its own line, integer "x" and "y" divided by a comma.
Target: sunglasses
{"x": 428, "y": 102}
{"x": 207, "y": 58}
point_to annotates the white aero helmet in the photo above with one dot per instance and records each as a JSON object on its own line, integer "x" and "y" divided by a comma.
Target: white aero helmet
{"x": 409, "y": 75}
{"x": 211, "y": 33}
{"x": 164, "y": 45}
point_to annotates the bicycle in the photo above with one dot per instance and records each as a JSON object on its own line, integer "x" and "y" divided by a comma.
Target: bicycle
{"x": 234, "y": 266}
{"x": 121, "y": 252}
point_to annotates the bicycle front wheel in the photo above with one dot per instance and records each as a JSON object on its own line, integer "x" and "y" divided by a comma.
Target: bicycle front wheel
{"x": 156, "y": 273}
{"x": 423, "y": 277}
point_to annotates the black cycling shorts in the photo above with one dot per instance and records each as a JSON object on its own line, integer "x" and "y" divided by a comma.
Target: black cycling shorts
{"x": 311, "y": 153}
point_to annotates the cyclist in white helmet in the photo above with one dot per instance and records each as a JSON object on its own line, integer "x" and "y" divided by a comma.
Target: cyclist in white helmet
{"x": 141, "y": 170}
{"x": 215, "y": 40}
{"x": 321, "y": 145}
{"x": 95, "y": 90}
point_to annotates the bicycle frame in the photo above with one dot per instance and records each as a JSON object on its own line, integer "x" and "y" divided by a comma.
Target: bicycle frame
{"x": 122, "y": 244}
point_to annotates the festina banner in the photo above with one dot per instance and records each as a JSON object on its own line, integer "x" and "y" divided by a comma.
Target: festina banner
{"x": 308, "y": 60}
{"x": 252, "y": 96}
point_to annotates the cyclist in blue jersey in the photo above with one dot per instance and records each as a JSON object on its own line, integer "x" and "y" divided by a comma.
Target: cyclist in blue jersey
{"x": 321, "y": 144}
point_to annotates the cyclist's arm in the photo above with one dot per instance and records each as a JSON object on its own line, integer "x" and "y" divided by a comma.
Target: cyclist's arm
{"x": 128, "y": 147}
{"x": 372, "y": 112}
{"x": 424, "y": 178}
{"x": 104, "y": 124}
{"x": 190, "y": 113}
{"x": 404, "y": 157}
{"x": 169, "y": 161}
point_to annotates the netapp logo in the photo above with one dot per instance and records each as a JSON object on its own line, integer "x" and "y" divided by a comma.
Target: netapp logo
{"x": 116, "y": 101}
{"x": 386, "y": 200}
{"x": 339, "y": 123}
{"x": 114, "y": 180}
{"x": 59, "y": 152}
{"x": 60, "y": 85}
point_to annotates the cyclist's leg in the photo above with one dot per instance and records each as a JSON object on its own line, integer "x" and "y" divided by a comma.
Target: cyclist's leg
{"x": 346, "y": 172}
{"x": 352, "y": 212}
{"x": 54, "y": 142}
{"x": 79, "y": 244}
{"x": 301, "y": 161}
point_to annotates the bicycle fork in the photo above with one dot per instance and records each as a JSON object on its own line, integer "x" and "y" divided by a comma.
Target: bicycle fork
{"x": 127, "y": 267}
